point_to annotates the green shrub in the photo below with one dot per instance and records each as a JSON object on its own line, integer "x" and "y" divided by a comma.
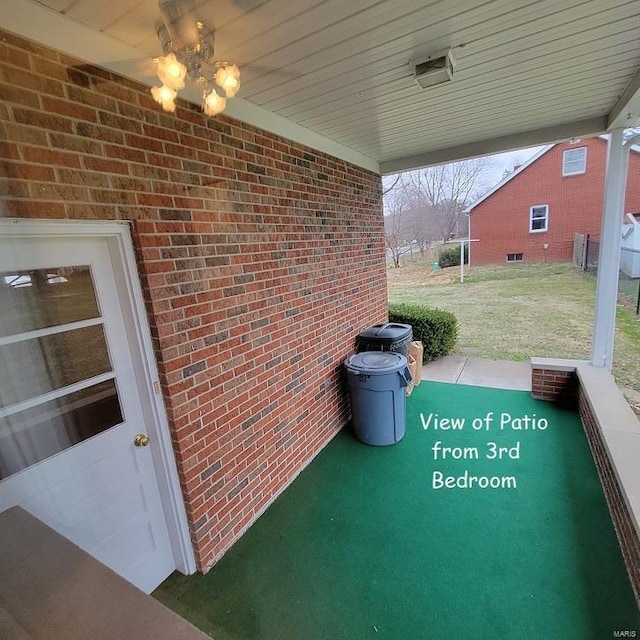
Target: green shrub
{"x": 451, "y": 257}
{"x": 436, "y": 329}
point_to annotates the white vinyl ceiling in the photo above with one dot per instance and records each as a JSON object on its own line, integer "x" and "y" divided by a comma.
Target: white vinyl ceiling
{"x": 335, "y": 73}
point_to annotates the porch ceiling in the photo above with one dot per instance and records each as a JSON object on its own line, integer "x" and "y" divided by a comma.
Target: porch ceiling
{"x": 335, "y": 74}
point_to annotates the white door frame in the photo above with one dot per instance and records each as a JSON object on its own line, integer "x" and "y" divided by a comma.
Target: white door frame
{"x": 120, "y": 245}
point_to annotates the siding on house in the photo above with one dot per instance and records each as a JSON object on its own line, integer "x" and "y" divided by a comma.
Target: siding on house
{"x": 260, "y": 261}
{"x": 501, "y": 221}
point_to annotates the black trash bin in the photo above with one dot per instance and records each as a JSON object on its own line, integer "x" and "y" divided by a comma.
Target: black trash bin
{"x": 390, "y": 336}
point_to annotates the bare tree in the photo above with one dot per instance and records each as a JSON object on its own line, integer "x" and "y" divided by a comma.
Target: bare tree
{"x": 426, "y": 206}
{"x": 419, "y": 230}
{"x": 444, "y": 191}
{"x": 398, "y": 235}
{"x": 439, "y": 195}
{"x": 389, "y": 183}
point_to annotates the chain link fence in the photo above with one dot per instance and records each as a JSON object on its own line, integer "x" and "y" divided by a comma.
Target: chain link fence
{"x": 586, "y": 251}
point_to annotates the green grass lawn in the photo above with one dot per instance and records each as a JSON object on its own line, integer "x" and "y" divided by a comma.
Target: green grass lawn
{"x": 514, "y": 312}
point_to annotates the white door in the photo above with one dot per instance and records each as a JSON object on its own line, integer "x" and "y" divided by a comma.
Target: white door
{"x": 70, "y": 407}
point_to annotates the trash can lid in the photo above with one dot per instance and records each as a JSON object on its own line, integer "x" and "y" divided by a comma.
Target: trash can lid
{"x": 387, "y": 331}
{"x": 375, "y": 362}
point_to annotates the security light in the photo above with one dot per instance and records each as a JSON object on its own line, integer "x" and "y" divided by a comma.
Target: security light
{"x": 434, "y": 69}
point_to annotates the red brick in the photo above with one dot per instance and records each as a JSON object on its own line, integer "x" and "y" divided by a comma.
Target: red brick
{"x": 104, "y": 165}
{"x": 14, "y": 56}
{"x": 27, "y": 80}
{"x": 20, "y": 171}
{"x": 202, "y": 231}
{"x": 59, "y": 192}
{"x": 50, "y": 156}
{"x": 17, "y": 95}
{"x": 33, "y": 209}
{"x": 46, "y": 121}
{"x": 124, "y": 153}
{"x": 69, "y": 109}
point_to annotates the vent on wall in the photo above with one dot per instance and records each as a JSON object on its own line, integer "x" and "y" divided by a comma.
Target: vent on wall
{"x": 434, "y": 69}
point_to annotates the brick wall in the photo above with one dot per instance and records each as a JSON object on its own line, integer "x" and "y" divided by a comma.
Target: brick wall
{"x": 501, "y": 222}
{"x": 555, "y": 386}
{"x": 564, "y": 387}
{"x": 260, "y": 261}
{"x": 622, "y": 519}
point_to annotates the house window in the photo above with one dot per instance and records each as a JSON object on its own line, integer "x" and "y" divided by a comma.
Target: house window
{"x": 514, "y": 257}
{"x": 574, "y": 161}
{"x": 539, "y": 218}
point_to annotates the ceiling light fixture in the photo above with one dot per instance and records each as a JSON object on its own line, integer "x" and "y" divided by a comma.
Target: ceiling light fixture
{"x": 434, "y": 69}
{"x": 188, "y": 44}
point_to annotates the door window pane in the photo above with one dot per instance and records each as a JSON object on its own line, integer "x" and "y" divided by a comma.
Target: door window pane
{"x": 36, "y": 433}
{"x": 47, "y": 301}
{"x": 33, "y": 367}
{"x": 41, "y": 298}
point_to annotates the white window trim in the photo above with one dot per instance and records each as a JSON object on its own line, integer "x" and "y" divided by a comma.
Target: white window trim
{"x": 546, "y": 218}
{"x": 564, "y": 162}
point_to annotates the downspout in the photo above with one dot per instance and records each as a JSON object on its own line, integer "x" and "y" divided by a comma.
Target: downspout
{"x": 610, "y": 240}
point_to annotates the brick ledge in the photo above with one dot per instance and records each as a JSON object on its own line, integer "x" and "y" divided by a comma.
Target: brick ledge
{"x": 613, "y": 433}
{"x": 620, "y": 431}
{"x": 556, "y": 364}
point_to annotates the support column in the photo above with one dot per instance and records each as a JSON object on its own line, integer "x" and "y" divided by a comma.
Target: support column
{"x": 609, "y": 260}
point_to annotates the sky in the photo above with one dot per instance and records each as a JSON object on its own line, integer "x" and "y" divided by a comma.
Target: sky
{"x": 497, "y": 164}
{"x": 500, "y": 162}
{"x": 506, "y": 161}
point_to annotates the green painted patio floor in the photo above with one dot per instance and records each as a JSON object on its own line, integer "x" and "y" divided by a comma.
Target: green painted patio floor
{"x": 362, "y": 545}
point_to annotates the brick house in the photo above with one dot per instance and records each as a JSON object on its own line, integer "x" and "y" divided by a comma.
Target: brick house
{"x": 259, "y": 261}
{"x": 533, "y": 213}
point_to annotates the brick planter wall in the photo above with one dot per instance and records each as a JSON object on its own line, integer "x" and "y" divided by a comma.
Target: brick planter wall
{"x": 562, "y": 383}
{"x": 260, "y": 261}
{"x": 625, "y": 529}
{"x": 555, "y": 386}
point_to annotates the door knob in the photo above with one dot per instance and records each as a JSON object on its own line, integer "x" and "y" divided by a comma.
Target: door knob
{"x": 141, "y": 440}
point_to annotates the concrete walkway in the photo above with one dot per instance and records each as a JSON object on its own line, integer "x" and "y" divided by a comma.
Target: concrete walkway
{"x": 480, "y": 372}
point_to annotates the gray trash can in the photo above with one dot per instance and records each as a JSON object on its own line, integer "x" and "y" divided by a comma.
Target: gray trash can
{"x": 377, "y": 381}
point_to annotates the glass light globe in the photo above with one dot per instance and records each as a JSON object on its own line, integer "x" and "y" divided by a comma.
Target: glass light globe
{"x": 228, "y": 79}
{"x": 171, "y": 71}
{"x": 213, "y": 104}
{"x": 165, "y": 96}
